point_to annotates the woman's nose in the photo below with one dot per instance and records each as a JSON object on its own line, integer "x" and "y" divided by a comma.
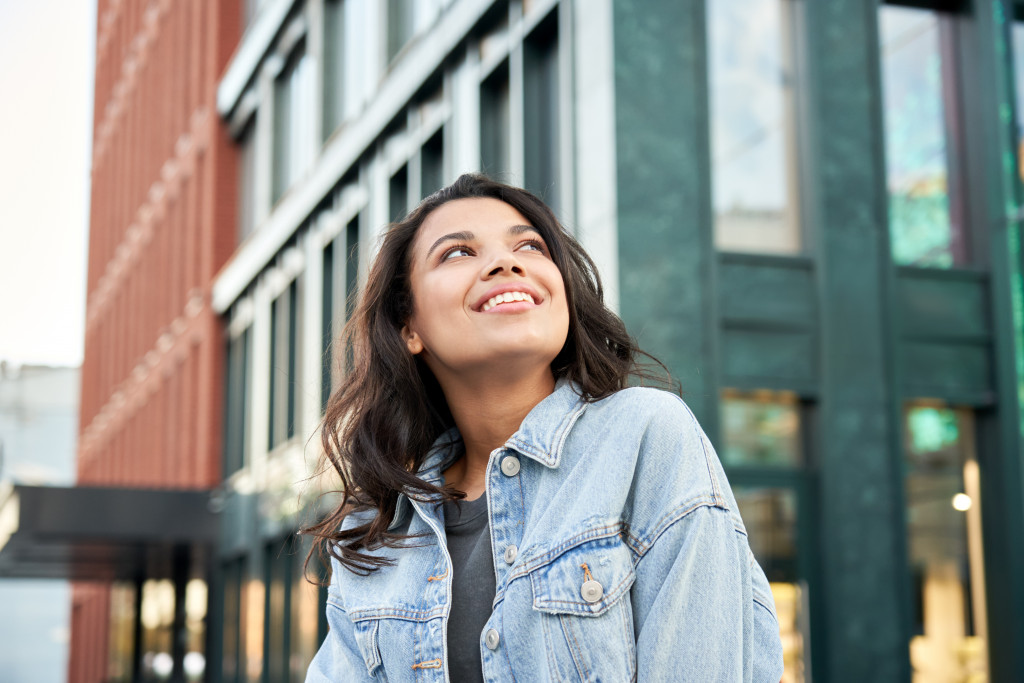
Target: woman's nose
{"x": 506, "y": 262}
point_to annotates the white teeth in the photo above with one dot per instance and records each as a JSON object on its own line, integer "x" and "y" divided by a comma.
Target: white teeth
{"x": 507, "y": 297}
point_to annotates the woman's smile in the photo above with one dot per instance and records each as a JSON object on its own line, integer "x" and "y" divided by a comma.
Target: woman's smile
{"x": 501, "y": 298}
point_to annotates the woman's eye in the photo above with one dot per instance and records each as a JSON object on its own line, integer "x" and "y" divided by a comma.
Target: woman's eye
{"x": 455, "y": 251}
{"x": 533, "y": 245}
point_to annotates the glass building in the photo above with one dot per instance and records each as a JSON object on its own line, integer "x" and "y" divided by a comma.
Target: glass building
{"x": 810, "y": 211}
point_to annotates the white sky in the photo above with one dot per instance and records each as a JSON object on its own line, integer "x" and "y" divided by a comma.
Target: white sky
{"x": 47, "y": 51}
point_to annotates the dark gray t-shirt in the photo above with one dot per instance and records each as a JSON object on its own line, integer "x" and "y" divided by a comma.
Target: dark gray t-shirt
{"x": 473, "y": 586}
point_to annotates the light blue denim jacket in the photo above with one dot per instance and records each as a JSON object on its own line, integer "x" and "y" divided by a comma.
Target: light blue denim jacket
{"x": 619, "y": 554}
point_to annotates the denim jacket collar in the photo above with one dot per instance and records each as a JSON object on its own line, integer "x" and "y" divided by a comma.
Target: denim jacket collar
{"x": 540, "y": 437}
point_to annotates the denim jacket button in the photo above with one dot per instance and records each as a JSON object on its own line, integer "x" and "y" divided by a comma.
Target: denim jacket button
{"x": 491, "y": 639}
{"x": 510, "y": 465}
{"x": 592, "y": 591}
{"x": 511, "y": 552}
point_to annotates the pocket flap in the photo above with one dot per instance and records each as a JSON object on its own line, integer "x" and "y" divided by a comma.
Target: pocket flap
{"x": 584, "y": 580}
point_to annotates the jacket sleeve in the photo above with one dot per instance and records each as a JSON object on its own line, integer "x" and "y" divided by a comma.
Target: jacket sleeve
{"x": 695, "y": 606}
{"x": 339, "y": 657}
{"x": 701, "y": 604}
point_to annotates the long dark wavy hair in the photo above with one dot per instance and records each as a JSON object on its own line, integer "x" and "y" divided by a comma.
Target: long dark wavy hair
{"x": 389, "y": 410}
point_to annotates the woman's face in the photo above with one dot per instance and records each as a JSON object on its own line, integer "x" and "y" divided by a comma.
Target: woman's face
{"x": 485, "y": 291}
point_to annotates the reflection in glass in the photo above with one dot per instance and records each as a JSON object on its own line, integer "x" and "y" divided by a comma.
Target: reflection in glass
{"x": 760, "y": 429}
{"x": 753, "y": 126}
{"x": 1018, "y": 70}
{"x": 770, "y": 516}
{"x": 157, "y": 616}
{"x": 122, "y": 632}
{"x": 921, "y": 225}
{"x": 944, "y": 544}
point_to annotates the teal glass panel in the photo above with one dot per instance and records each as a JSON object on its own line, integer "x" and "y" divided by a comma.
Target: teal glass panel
{"x": 754, "y": 122}
{"x": 944, "y": 545}
{"x": 922, "y": 229}
{"x": 770, "y": 517}
{"x": 760, "y": 429}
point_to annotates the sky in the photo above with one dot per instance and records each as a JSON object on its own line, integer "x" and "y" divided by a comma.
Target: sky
{"x": 47, "y": 52}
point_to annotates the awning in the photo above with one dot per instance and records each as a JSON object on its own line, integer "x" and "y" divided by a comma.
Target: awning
{"x": 98, "y": 533}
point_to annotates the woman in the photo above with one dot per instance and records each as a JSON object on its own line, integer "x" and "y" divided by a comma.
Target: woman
{"x": 512, "y": 510}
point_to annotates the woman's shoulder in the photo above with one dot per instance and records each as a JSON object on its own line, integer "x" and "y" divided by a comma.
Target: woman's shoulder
{"x": 645, "y": 407}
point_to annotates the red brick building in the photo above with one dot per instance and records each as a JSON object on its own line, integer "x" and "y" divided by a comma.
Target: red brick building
{"x": 163, "y": 221}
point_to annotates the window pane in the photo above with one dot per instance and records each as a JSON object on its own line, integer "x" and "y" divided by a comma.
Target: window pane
{"x": 921, "y": 226}
{"x": 432, "y": 164}
{"x": 770, "y": 516}
{"x": 943, "y": 500}
{"x": 540, "y": 111}
{"x": 236, "y": 418}
{"x": 761, "y": 429}
{"x": 283, "y": 363}
{"x": 334, "y": 67}
{"x": 494, "y": 142}
{"x": 753, "y": 126}
{"x": 247, "y": 181}
{"x": 1018, "y": 71}
{"x": 122, "y": 632}
{"x": 398, "y": 194}
{"x": 233, "y": 670}
{"x": 277, "y": 565}
{"x": 305, "y": 616}
{"x": 292, "y": 119}
{"x": 327, "y": 325}
{"x": 401, "y": 25}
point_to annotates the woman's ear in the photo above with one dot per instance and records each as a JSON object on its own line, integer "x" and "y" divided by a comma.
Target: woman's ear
{"x": 412, "y": 340}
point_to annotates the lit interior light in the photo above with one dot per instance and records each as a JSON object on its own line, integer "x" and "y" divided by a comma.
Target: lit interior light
{"x": 962, "y": 502}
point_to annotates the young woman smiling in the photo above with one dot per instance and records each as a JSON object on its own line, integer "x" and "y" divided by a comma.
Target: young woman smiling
{"x": 512, "y": 510}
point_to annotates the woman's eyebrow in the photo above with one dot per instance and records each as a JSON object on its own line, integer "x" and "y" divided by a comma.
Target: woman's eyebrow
{"x": 520, "y": 229}
{"x": 460, "y": 236}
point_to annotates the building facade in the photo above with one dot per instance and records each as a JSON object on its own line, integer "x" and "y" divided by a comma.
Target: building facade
{"x": 807, "y": 210}
{"x": 810, "y": 211}
{"x": 38, "y": 433}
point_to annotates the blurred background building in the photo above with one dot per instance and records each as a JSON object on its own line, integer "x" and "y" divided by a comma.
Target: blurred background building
{"x": 38, "y": 432}
{"x": 809, "y": 210}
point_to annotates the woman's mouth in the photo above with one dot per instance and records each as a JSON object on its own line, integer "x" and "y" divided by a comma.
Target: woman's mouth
{"x": 506, "y": 298}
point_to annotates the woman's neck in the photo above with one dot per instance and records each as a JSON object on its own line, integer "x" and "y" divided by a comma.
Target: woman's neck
{"x": 487, "y": 414}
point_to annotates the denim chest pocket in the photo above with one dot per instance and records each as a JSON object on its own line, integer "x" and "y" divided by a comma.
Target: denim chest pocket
{"x": 587, "y": 617}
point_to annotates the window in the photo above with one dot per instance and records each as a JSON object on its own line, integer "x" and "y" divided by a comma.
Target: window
{"x": 283, "y": 350}
{"x": 943, "y": 500}
{"x": 540, "y": 111}
{"x": 925, "y": 212}
{"x": 233, "y": 644}
{"x": 349, "y": 260}
{"x": 398, "y": 194}
{"x": 334, "y": 65}
{"x": 761, "y": 429}
{"x": 401, "y": 25}
{"x": 432, "y": 164}
{"x": 494, "y": 122}
{"x": 247, "y": 181}
{"x": 327, "y": 319}
{"x": 277, "y": 563}
{"x": 292, "y": 117}
{"x": 770, "y": 516}
{"x": 754, "y": 123}
{"x": 1018, "y": 71}
{"x": 236, "y": 423}
{"x": 122, "y": 632}
{"x": 762, "y": 450}
{"x": 157, "y": 615}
